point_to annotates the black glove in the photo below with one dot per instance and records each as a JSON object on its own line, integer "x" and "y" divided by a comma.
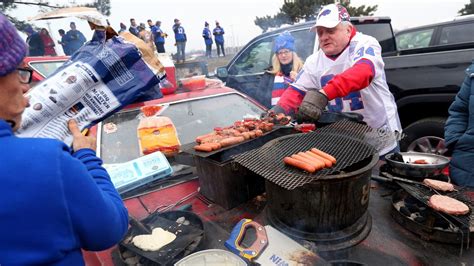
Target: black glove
{"x": 312, "y": 106}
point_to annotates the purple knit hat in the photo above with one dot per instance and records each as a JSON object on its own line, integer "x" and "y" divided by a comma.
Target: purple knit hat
{"x": 12, "y": 47}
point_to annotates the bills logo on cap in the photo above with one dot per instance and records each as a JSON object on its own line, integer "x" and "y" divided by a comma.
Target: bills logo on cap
{"x": 343, "y": 14}
{"x": 324, "y": 13}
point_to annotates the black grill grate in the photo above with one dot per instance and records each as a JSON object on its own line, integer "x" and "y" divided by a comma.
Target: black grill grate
{"x": 423, "y": 194}
{"x": 267, "y": 161}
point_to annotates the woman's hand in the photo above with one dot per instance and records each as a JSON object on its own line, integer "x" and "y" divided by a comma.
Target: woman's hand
{"x": 80, "y": 141}
{"x": 293, "y": 75}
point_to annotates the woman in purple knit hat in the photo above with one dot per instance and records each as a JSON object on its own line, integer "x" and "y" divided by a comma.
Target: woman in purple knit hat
{"x": 54, "y": 201}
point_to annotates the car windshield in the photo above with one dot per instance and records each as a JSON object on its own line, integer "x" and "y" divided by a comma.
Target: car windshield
{"x": 191, "y": 118}
{"x": 46, "y": 68}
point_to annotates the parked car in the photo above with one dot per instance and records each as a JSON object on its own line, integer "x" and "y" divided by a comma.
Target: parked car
{"x": 423, "y": 80}
{"x": 43, "y": 66}
{"x": 455, "y": 33}
{"x": 425, "y": 77}
{"x": 193, "y": 113}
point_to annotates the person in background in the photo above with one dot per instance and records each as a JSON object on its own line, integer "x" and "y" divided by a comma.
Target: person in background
{"x": 158, "y": 37}
{"x": 219, "y": 39}
{"x": 47, "y": 42}
{"x": 75, "y": 38}
{"x": 58, "y": 200}
{"x": 146, "y": 36}
{"x": 285, "y": 65}
{"x": 64, "y": 42}
{"x": 34, "y": 41}
{"x": 133, "y": 29}
{"x": 345, "y": 75}
{"x": 123, "y": 28}
{"x": 206, "y": 34}
{"x": 458, "y": 133}
{"x": 152, "y": 31}
{"x": 180, "y": 38}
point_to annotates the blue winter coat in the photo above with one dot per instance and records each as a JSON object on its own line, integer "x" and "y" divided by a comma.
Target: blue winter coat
{"x": 76, "y": 40}
{"x": 179, "y": 34}
{"x": 206, "y": 34}
{"x": 219, "y": 34}
{"x": 459, "y": 132}
{"x": 54, "y": 203}
{"x": 157, "y": 34}
{"x": 66, "y": 43}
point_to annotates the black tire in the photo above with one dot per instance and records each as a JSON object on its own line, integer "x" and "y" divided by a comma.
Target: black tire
{"x": 431, "y": 129}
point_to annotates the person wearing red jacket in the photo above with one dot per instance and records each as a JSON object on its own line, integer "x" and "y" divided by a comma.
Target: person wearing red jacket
{"x": 345, "y": 75}
{"x": 47, "y": 42}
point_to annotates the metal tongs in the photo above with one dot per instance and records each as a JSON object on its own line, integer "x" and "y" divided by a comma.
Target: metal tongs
{"x": 392, "y": 178}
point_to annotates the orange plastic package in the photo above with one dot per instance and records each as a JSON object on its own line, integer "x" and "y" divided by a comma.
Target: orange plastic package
{"x": 158, "y": 134}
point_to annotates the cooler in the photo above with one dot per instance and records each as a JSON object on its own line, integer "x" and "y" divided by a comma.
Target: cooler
{"x": 167, "y": 62}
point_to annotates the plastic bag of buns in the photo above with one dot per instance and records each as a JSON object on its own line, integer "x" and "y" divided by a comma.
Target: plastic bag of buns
{"x": 99, "y": 79}
{"x": 158, "y": 133}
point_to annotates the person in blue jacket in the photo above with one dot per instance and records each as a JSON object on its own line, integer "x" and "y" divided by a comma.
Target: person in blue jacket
{"x": 35, "y": 44}
{"x": 219, "y": 38}
{"x": 76, "y": 38}
{"x": 54, "y": 201}
{"x": 65, "y": 42}
{"x": 133, "y": 29}
{"x": 206, "y": 34}
{"x": 180, "y": 38}
{"x": 158, "y": 35}
{"x": 459, "y": 133}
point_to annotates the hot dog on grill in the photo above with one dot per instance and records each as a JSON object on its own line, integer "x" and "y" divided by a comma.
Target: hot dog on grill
{"x": 246, "y": 135}
{"x": 231, "y": 141}
{"x": 215, "y": 146}
{"x": 203, "y": 147}
{"x": 299, "y": 164}
{"x": 199, "y": 139}
{"x": 319, "y": 164}
{"x": 326, "y": 162}
{"x": 252, "y": 134}
{"x": 325, "y": 155}
{"x": 315, "y": 164}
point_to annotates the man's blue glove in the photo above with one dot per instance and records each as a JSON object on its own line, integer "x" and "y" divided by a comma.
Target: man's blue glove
{"x": 312, "y": 106}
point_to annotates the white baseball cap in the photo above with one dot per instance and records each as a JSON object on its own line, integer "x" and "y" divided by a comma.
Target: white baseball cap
{"x": 330, "y": 16}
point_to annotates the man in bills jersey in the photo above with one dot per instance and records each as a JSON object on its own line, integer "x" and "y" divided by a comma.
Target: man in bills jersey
{"x": 345, "y": 75}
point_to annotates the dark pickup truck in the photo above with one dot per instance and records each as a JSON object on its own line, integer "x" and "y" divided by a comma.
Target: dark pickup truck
{"x": 424, "y": 76}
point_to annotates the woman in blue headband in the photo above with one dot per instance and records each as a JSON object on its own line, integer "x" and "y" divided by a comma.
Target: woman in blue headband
{"x": 285, "y": 65}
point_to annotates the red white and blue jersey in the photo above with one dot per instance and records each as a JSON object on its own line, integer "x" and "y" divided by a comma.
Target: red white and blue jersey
{"x": 354, "y": 81}
{"x": 280, "y": 83}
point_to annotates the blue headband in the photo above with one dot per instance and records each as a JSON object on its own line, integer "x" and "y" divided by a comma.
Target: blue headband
{"x": 284, "y": 41}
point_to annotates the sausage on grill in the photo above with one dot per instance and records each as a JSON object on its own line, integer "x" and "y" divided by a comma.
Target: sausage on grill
{"x": 327, "y": 163}
{"x": 325, "y": 155}
{"x": 298, "y": 157}
{"x": 203, "y": 147}
{"x": 299, "y": 164}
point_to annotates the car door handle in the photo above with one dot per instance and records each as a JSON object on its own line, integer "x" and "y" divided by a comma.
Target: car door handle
{"x": 448, "y": 66}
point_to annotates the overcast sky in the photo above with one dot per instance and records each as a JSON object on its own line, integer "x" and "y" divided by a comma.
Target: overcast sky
{"x": 237, "y": 17}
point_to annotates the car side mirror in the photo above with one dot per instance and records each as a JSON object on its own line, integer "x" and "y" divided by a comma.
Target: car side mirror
{"x": 222, "y": 73}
